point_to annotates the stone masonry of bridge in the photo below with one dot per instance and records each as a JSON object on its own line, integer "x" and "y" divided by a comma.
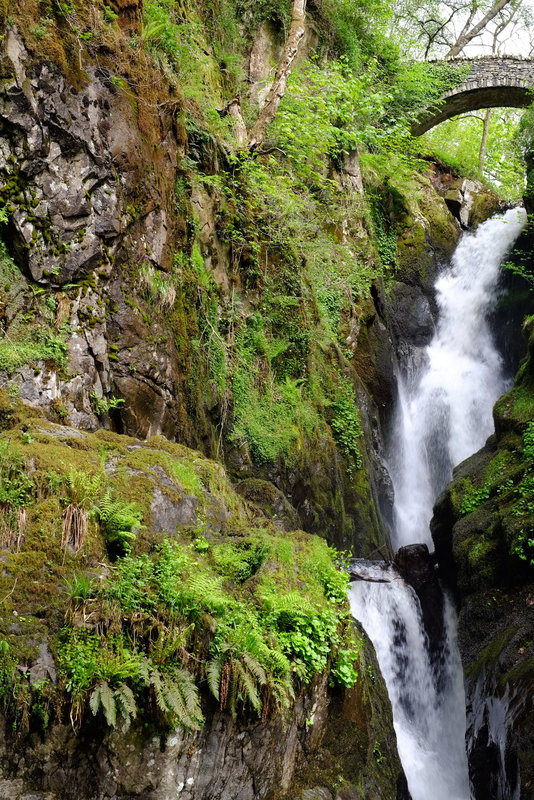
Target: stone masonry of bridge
{"x": 493, "y": 82}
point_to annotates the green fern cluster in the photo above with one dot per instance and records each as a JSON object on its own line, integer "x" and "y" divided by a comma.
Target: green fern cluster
{"x": 251, "y": 618}
{"x": 114, "y": 702}
{"x": 120, "y": 521}
{"x": 83, "y": 489}
{"x": 102, "y": 671}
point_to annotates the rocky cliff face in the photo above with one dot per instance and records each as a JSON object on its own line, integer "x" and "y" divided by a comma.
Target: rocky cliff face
{"x": 328, "y": 741}
{"x": 128, "y": 272}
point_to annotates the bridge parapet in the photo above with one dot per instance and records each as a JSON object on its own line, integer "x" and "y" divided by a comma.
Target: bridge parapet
{"x": 492, "y": 82}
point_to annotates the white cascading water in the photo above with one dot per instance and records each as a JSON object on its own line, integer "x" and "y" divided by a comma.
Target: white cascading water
{"x": 427, "y": 694}
{"x": 444, "y": 414}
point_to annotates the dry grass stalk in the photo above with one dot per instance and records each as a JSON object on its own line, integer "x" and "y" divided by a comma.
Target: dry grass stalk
{"x": 225, "y": 684}
{"x": 74, "y": 527}
{"x": 13, "y": 524}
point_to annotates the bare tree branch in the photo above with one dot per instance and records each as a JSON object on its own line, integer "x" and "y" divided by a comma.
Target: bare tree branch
{"x": 277, "y": 90}
{"x": 464, "y": 39}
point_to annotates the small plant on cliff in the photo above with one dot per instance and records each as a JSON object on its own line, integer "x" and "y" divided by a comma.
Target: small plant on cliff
{"x": 528, "y": 442}
{"x": 16, "y": 491}
{"x": 103, "y": 405}
{"x": 114, "y": 702}
{"x": 16, "y": 487}
{"x": 346, "y": 425}
{"x": 157, "y": 287}
{"x": 82, "y": 490}
{"x": 473, "y": 497}
{"x": 523, "y": 547}
{"x": 120, "y": 522}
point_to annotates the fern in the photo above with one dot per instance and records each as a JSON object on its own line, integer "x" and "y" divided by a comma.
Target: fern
{"x": 255, "y": 668}
{"x": 120, "y": 521}
{"x": 246, "y": 684}
{"x": 213, "y": 675}
{"x": 126, "y": 705}
{"x": 103, "y": 698}
{"x": 152, "y": 31}
{"x": 82, "y": 488}
{"x": 168, "y": 643}
{"x": 177, "y": 698}
{"x": 282, "y": 692}
{"x": 121, "y": 700}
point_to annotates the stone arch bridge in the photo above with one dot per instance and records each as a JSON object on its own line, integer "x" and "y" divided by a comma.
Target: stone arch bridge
{"x": 492, "y": 82}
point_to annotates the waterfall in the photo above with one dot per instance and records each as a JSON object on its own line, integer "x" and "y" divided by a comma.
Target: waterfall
{"x": 444, "y": 412}
{"x": 426, "y": 691}
{"x": 443, "y": 415}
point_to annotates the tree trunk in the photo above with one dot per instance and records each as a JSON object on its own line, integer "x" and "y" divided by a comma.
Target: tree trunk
{"x": 276, "y": 92}
{"x": 484, "y": 141}
{"x": 465, "y": 38}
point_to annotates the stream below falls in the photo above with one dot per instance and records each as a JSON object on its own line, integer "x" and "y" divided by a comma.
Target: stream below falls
{"x": 443, "y": 415}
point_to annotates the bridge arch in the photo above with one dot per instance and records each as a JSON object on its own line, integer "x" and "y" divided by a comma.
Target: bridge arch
{"x": 492, "y": 82}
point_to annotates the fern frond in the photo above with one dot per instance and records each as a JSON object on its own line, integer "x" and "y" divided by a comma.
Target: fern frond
{"x": 282, "y": 692}
{"x": 175, "y": 702}
{"x": 280, "y": 663}
{"x": 189, "y": 691}
{"x": 254, "y": 667}
{"x": 144, "y": 670}
{"x": 248, "y": 687}
{"x": 103, "y": 698}
{"x": 157, "y": 684}
{"x": 126, "y": 705}
{"x": 94, "y": 701}
{"x": 213, "y": 676}
{"x": 180, "y": 698}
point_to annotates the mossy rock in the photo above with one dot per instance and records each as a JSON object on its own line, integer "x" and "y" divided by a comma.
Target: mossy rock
{"x": 427, "y": 234}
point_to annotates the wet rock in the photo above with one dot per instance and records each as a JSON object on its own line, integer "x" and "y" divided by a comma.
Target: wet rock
{"x": 317, "y": 793}
{"x": 67, "y": 175}
{"x": 43, "y": 668}
{"x": 417, "y": 567}
{"x": 411, "y": 315}
{"x": 167, "y": 514}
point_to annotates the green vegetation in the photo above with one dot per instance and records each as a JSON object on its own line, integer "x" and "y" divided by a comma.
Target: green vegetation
{"x": 346, "y": 425}
{"x": 457, "y": 141}
{"x": 247, "y": 614}
{"x": 178, "y": 618}
{"x": 473, "y": 497}
{"x": 103, "y": 405}
{"x": 30, "y": 337}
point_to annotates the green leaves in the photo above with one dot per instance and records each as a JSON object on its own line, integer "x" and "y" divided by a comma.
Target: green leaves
{"x": 327, "y": 111}
{"x": 120, "y": 521}
{"x": 346, "y": 425}
{"x": 528, "y": 442}
{"x": 16, "y": 487}
{"x": 473, "y": 497}
{"x": 252, "y": 617}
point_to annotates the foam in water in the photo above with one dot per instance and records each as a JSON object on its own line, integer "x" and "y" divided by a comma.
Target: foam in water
{"x": 445, "y": 414}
